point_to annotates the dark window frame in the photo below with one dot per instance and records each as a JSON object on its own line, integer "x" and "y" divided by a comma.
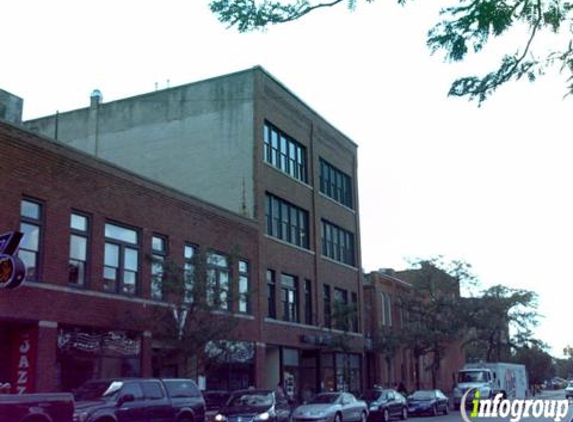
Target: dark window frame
{"x": 284, "y": 153}
{"x": 40, "y": 224}
{"x": 123, "y": 245}
{"x": 338, "y": 244}
{"x": 287, "y": 222}
{"x": 87, "y": 235}
{"x": 327, "y": 305}
{"x": 290, "y": 308}
{"x": 243, "y": 297}
{"x": 158, "y": 255}
{"x": 216, "y": 290}
{"x": 336, "y": 184}
{"x": 308, "y": 317}
{"x": 271, "y": 294}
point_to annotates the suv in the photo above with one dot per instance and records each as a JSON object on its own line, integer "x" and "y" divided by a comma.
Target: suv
{"x": 139, "y": 399}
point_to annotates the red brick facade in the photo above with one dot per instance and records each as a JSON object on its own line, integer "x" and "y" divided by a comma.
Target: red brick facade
{"x": 63, "y": 180}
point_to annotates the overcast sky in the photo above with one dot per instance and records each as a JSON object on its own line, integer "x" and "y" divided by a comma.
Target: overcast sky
{"x": 437, "y": 175}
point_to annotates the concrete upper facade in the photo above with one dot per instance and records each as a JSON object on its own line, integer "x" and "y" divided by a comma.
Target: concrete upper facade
{"x": 199, "y": 138}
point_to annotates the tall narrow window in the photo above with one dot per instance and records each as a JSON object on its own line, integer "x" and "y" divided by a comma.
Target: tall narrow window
{"x": 327, "y": 306}
{"x": 354, "y": 321}
{"x": 342, "y": 311}
{"x": 308, "y": 302}
{"x": 271, "y": 294}
{"x": 189, "y": 253}
{"x": 289, "y": 288}
{"x": 158, "y": 254}
{"x": 77, "y": 264}
{"x": 243, "y": 286}
{"x": 284, "y": 153}
{"x": 31, "y": 227}
{"x": 121, "y": 259}
{"x": 218, "y": 276}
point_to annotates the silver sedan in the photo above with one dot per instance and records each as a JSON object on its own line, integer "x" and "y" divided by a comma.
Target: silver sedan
{"x": 332, "y": 407}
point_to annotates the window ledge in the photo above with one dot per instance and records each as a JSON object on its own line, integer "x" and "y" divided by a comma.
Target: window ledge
{"x": 347, "y": 208}
{"x": 288, "y": 175}
{"x": 282, "y": 242}
{"x": 339, "y": 263}
{"x": 312, "y": 327}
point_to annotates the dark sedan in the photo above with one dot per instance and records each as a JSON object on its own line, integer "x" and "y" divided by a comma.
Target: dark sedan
{"x": 385, "y": 404}
{"x": 254, "y": 406}
{"x": 214, "y": 401}
{"x": 432, "y": 402}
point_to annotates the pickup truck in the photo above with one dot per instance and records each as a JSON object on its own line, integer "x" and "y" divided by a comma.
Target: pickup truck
{"x": 36, "y": 407}
{"x": 139, "y": 400}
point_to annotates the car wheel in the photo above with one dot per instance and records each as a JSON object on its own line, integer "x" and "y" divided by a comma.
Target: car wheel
{"x": 363, "y": 417}
{"x": 337, "y": 418}
{"x": 435, "y": 410}
{"x": 404, "y": 414}
{"x": 385, "y": 415}
{"x": 447, "y": 408}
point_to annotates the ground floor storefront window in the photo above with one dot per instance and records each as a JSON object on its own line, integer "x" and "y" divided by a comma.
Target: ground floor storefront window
{"x": 229, "y": 365}
{"x": 84, "y": 354}
{"x": 341, "y": 372}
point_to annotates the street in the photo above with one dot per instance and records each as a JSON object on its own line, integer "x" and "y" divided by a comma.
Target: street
{"x": 454, "y": 416}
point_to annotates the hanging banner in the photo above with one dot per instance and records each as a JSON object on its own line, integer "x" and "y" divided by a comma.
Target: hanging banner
{"x": 23, "y": 365}
{"x": 12, "y": 269}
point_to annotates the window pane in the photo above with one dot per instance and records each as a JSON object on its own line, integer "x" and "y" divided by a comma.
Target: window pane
{"x": 78, "y": 247}
{"x": 217, "y": 259}
{"x": 76, "y": 272}
{"x": 30, "y": 209}
{"x": 110, "y": 279}
{"x": 31, "y": 239}
{"x": 29, "y": 259}
{"x": 79, "y": 222}
{"x": 129, "y": 278}
{"x": 130, "y": 259}
{"x": 111, "y": 258}
{"x": 120, "y": 233}
{"x": 189, "y": 251}
{"x": 158, "y": 244}
{"x": 243, "y": 267}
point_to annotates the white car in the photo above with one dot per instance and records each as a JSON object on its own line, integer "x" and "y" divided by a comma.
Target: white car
{"x": 569, "y": 390}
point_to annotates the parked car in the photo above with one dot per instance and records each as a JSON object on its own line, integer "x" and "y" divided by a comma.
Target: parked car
{"x": 384, "y": 404}
{"x": 214, "y": 401}
{"x": 569, "y": 390}
{"x": 332, "y": 407}
{"x": 36, "y": 407}
{"x": 256, "y": 406}
{"x": 139, "y": 399}
{"x": 431, "y": 402}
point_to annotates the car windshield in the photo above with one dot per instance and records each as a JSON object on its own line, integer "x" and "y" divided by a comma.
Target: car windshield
{"x": 324, "y": 398}
{"x": 98, "y": 390}
{"x": 471, "y": 376}
{"x": 255, "y": 399}
{"x": 374, "y": 395}
{"x": 423, "y": 395}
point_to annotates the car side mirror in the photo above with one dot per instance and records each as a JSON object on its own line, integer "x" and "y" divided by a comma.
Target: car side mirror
{"x": 125, "y": 399}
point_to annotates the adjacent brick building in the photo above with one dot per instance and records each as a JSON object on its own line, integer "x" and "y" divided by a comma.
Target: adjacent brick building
{"x": 381, "y": 291}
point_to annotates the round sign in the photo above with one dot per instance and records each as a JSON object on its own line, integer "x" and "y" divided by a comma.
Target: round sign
{"x": 12, "y": 272}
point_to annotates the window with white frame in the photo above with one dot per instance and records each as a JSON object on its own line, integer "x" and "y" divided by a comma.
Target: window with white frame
{"x": 121, "y": 259}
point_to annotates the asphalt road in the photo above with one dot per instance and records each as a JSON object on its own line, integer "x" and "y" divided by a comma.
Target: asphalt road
{"x": 455, "y": 416}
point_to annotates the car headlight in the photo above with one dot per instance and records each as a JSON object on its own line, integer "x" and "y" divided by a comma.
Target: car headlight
{"x": 219, "y": 417}
{"x": 374, "y": 407}
{"x": 81, "y": 417}
{"x": 262, "y": 417}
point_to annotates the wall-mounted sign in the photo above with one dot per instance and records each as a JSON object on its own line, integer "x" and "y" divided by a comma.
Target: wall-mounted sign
{"x": 12, "y": 269}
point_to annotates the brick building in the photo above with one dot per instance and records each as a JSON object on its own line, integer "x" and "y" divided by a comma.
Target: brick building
{"x": 255, "y": 156}
{"x": 381, "y": 290}
{"x": 88, "y": 227}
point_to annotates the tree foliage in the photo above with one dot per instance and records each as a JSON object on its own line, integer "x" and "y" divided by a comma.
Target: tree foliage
{"x": 465, "y": 27}
{"x": 537, "y": 360}
{"x": 500, "y": 322}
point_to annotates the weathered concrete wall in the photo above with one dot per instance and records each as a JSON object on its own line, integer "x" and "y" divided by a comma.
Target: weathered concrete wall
{"x": 10, "y": 107}
{"x": 197, "y": 138}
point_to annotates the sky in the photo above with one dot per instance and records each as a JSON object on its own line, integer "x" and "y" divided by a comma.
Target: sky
{"x": 489, "y": 185}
